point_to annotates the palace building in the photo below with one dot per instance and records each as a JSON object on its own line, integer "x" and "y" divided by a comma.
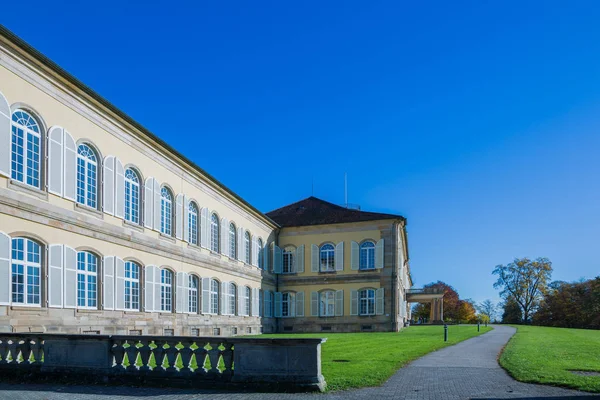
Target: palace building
{"x": 105, "y": 228}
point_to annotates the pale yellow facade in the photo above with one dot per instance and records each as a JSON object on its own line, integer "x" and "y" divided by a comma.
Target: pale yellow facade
{"x": 31, "y": 83}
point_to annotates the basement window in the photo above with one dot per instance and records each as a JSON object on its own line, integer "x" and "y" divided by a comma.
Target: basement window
{"x": 326, "y": 328}
{"x": 288, "y": 328}
{"x": 366, "y": 328}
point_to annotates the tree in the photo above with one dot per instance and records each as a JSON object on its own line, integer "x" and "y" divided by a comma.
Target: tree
{"x": 525, "y": 281}
{"x": 487, "y": 307}
{"x": 466, "y": 312}
{"x": 451, "y": 300}
{"x": 512, "y": 312}
{"x": 419, "y": 311}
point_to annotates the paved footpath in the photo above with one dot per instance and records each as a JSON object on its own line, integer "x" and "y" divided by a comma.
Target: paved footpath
{"x": 468, "y": 370}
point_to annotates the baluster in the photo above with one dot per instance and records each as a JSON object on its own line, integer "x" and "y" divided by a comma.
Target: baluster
{"x": 25, "y": 349}
{"x": 159, "y": 354}
{"x": 132, "y": 352}
{"x": 227, "y": 354}
{"x": 37, "y": 349}
{"x": 201, "y": 354}
{"x": 186, "y": 357}
{"x": 213, "y": 355}
{"x": 13, "y": 352}
{"x": 3, "y": 350}
{"x": 172, "y": 353}
{"x": 118, "y": 351}
{"x": 145, "y": 352}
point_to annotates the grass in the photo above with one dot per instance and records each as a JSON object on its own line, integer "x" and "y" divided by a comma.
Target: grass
{"x": 353, "y": 360}
{"x": 548, "y": 355}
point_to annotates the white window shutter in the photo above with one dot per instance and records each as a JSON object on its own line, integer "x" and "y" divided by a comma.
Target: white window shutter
{"x": 157, "y": 286}
{"x": 69, "y": 167}
{"x": 268, "y": 304}
{"x": 157, "y": 209}
{"x": 205, "y": 295}
{"x": 108, "y": 188}
{"x": 70, "y": 275}
{"x": 179, "y": 221}
{"x": 354, "y": 256}
{"x": 379, "y": 308}
{"x": 339, "y": 303}
{"x": 55, "y": 160}
{"x": 300, "y": 259}
{"x": 379, "y": 248}
{"x": 241, "y": 300}
{"x": 186, "y": 292}
{"x": 314, "y": 304}
{"x": 5, "y": 140}
{"x": 224, "y": 297}
{"x": 314, "y": 258}
{"x": 278, "y": 298}
{"x": 186, "y": 218}
{"x": 241, "y": 253}
{"x": 55, "y": 275}
{"x": 266, "y": 257}
{"x": 292, "y": 305}
{"x": 149, "y": 203}
{"x": 109, "y": 283}
{"x": 255, "y": 302}
{"x": 224, "y": 236}
{"x": 204, "y": 228}
{"x": 300, "y": 304}
{"x": 277, "y": 259}
{"x": 339, "y": 256}
{"x": 354, "y": 302}
{"x": 119, "y": 284}
{"x": 180, "y": 293}
{"x": 119, "y": 189}
{"x": 149, "y": 289}
{"x": 253, "y": 250}
{"x": 5, "y": 256}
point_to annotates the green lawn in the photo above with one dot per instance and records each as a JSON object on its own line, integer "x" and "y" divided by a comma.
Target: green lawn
{"x": 547, "y": 355}
{"x": 352, "y": 360}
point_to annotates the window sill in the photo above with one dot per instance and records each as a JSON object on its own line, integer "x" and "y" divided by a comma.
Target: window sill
{"x": 90, "y": 311}
{"x": 133, "y": 312}
{"x": 166, "y": 237}
{"x": 88, "y": 210}
{"x": 328, "y": 272}
{"x": 26, "y": 307}
{"x": 24, "y": 188}
{"x": 368, "y": 269}
{"x": 133, "y": 225}
{"x": 194, "y": 246}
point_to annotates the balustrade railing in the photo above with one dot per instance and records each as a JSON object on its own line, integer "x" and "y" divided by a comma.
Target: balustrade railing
{"x": 287, "y": 364}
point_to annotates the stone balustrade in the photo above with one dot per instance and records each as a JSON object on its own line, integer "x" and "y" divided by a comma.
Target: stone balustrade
{"x": 274, "y": 364}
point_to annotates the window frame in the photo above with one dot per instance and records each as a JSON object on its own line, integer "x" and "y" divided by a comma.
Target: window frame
{"x": 193, "y": 219}
{"x": 368, "y": 301}
{"x": 329, "y": 303}
{"x": 231, "y": 298}
{"x": 247, "y": 245}
{"x": 26, "y": 265}
{"x": 90, "y": 189}
{"x": 88, "y": 275}
{"x": 364, "y": 248}
{"x": 25, "y": 146}
{"x": 214, "y": 233}
{"x": 290, "y": 302}
{"x": 247, "y": 292}
{"x": 288, "y": 259}
{"x": 130, "y": 283}
{"x": 261, "y": 257}
{"x": 133, "y": 207}
{"x": 232, "y": 241}
{"x": 213, "y": 296}
{"x": 329, "y": 250}
{"x": 193, "y": 292}
{"x": 166, "y": 218}
{"x": 166, "y": 290}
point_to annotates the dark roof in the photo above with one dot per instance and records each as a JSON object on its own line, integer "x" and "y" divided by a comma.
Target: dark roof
{"x": 39, "y": 57}
{"x": 314, "y": 211}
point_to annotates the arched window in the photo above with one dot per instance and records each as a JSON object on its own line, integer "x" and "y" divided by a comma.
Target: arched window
{"x": 25, "y": 149}
{"x": 87, "y": 280}
{"x": 132, "y": 196}
{"x": 247, "y": 295}
{"x": 288, "y": 260}
{"x": 287, "y": 304}
{"x": 132, "y": 286}
{"x": 193, "y": 294}
{"x": 166, "y": 290}
{"x": 247, "y": 247}
{"x": 366, "y": 298}
{"x": 166, "y": 213}
{"x": 261, "y": 256}
{"x": 327, "y": 303}
{"x": 214, "y": 233}
{"x": 231, "y": 303}
{"x": 193, "y": 223}
{"x": 26, "y": 272}
{"x": 214, "y": 296}
{"x": 232, "y": 241}
{"x": 87, "y": 176}
{"x": 327, "y": 258}
{"x": 367, "y": 255}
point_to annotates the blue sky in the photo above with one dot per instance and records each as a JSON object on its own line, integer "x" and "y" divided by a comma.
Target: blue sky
{"x": 477, "y": 121}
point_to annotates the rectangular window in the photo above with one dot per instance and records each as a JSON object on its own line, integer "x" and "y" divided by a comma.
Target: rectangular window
{"x": 288, "y": 262}
{"x": 216, "y": 331}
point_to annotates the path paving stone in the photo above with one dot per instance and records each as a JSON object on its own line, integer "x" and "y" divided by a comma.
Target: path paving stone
{"x": 468, "y": 370}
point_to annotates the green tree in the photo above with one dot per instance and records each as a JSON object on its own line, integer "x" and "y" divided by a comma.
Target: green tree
{"x": 525, "y": 281}
{"x": 487, "y": 307}
{"x": 451, "y": 300}
{"x": 512, "y": 312}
